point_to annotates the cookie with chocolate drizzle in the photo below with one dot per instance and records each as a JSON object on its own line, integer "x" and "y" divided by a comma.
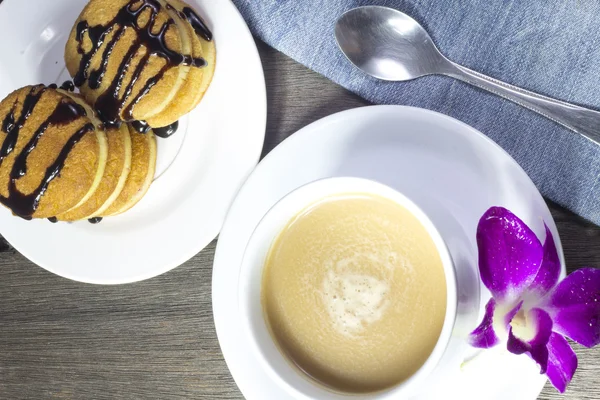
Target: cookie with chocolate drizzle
{"x": 191, "y": 93}
{"x": 140, "y": 60}
{"x": 52, "y": 153}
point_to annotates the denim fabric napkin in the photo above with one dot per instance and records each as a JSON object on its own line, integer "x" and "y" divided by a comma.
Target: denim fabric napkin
{"x": 548, "y": 46}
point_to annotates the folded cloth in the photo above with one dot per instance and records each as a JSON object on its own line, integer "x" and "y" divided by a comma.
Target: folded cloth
{"x": 549, "y": 46}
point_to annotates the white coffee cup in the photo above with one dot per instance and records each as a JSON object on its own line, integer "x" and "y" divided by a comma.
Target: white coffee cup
{"x": 297, "y": 383}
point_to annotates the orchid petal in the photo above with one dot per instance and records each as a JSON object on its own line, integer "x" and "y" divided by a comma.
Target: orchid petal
{"x": 533, "y": 337}
{"x": 575, "y": 307}
{"x": 484, "y": 335}
{"x": 549, "y": 271}
{"x": 562, "y": 362}
{"x": 510, "y": 254}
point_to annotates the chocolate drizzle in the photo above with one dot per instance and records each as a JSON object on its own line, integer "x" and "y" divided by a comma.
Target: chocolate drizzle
{"x": 94, "y": 221}
{"x": 12, "y": 127}
{"x": 69, "y": 86}
{"x": 53, "y": 220}
{"x": 166, "y": 131}
{"x": 109, "y": 104}
{"x": 140, "y": 126}
{"x": 197, "y": 23}
{"x": 67, "y": 111}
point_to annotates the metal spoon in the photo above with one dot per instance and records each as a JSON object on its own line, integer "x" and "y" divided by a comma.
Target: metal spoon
{"x": 390, "y": 45}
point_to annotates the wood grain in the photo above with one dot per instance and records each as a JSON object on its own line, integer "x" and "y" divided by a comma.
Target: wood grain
{"x": 156, "y": 339}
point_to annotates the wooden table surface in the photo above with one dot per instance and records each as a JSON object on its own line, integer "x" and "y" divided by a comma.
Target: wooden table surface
{"x": 156, "y": 339}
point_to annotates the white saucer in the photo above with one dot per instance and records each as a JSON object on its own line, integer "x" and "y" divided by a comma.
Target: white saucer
{"x": 453, "y": 172}
{"x": 199, "y": 169}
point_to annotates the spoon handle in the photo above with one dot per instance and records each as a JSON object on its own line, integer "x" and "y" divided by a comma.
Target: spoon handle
{"x": 581, "y": 120}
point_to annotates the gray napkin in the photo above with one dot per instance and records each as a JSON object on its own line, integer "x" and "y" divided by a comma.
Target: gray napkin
{"x": 549, "y": 46}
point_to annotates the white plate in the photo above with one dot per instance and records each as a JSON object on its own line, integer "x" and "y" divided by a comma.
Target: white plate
{"x": 199, "y": 169}
{"x": 453, "y": 172}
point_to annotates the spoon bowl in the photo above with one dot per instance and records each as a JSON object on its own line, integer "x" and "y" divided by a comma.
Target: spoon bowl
{"x": 388, "y": 44}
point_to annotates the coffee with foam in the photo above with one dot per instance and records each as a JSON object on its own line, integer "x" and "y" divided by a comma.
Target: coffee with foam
{"x": 354, "y": 293}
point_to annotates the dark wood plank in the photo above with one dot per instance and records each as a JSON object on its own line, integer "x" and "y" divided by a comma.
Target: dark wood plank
{"x": 156, "y": 339}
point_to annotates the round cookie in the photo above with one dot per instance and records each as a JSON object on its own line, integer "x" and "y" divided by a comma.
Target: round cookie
{"x": 198, "y": 79}
{"x": 127, "y": 57}
{"x": 117, "y": 169}
{"x": 209, "y": 52}
{"x": 141, "y": 175}
{"x": 170, "y": 77}
{"x": 202, "y": 36}
{"x": 52, "y": 155}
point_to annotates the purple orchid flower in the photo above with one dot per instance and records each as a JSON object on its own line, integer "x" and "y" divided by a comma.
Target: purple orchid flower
{"x": 530, "y": 310}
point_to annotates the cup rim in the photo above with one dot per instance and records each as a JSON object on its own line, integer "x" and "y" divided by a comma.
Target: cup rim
{"x": 329, "y": 187}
